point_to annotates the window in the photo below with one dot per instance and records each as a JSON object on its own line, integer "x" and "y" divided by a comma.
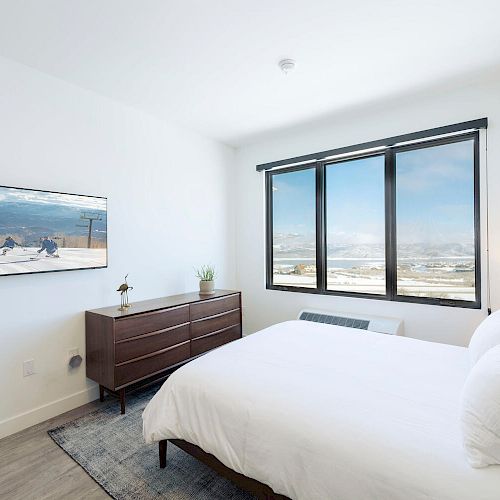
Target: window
{"x": 435, "y": 221}
{"x": 401, "y": 223}
{"x": 294, "y": 228}
{"x": 355, "y": 225}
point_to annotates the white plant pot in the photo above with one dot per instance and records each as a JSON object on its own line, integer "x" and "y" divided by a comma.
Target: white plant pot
{"x": 207, "y": 287}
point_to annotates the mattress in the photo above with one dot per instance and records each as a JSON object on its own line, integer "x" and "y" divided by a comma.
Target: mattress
{"x": 325, "y": 412}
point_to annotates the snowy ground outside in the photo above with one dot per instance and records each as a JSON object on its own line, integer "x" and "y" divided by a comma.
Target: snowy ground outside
{"x": 441, "y": 282}
{"x": 27, "y": 260}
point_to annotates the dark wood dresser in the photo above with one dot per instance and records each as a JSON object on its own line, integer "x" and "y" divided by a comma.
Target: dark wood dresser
{"x": 154, "y": 336}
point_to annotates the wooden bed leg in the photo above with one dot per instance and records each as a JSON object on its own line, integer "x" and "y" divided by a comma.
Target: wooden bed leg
{"x": 122, "y": 401}
{"x": 101, "y": 393}
{"x": 162, "y": 448}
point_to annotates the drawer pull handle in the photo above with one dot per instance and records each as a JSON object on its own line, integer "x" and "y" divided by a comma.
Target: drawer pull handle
{"x": 214, "y": 333}
{"x": 156, "y": 332}
{"x": 150, "y": 355}
{"x": 215, "y": 315}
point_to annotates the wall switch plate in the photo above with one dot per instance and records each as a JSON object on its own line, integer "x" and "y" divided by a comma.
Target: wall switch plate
{"x": 28, "y": 367}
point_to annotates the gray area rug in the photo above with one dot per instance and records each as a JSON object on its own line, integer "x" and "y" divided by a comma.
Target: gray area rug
{"x": 110, "y": 447}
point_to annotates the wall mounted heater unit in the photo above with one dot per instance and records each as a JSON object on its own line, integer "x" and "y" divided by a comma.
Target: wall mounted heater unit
{"x": 391, "y": 326}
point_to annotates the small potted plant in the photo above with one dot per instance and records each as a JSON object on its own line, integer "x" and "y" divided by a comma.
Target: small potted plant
{"x": 206, "y": 276}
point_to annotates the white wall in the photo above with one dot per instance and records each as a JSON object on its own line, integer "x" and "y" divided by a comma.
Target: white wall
{"x": 439, "y": 107}
{"x": 165, "y": 185}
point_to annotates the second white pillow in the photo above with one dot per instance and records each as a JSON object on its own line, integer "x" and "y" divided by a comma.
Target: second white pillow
{"x": 480, "y": 411}
{"x": 486, "y": 336}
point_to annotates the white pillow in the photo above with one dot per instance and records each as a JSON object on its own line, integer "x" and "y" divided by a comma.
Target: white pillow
{"x": 486, "y": 336}
{"x": 480, "y": 411}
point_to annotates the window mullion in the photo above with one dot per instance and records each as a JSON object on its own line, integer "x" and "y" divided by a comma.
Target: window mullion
{"x": 269, "y": 229}
{"x": 477, "y": 225}
{"x": 390, "y": 224}
{"x": 321, "y": 267}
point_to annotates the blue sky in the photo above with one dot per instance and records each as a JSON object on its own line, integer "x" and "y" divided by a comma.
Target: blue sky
{"x": 294, "y": 202}
{"x": 355, "y": 201}
{"x": 435, "y": 194}
{"x": 435, "y": 201}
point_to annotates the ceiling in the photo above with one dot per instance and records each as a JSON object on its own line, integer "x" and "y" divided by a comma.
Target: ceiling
{"x": 212, "y": 64}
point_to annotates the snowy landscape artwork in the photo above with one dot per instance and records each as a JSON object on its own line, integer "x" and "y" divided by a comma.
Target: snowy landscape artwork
{"x": 42, "y": 231}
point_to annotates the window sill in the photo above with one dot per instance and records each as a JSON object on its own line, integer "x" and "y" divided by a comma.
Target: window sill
{"x": 397, "y": 298}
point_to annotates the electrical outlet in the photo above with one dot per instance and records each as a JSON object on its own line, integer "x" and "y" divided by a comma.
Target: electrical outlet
{"x": 28, "y": 367}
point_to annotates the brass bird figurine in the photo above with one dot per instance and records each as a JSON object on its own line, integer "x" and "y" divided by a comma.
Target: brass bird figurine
{"x": 123, "y": 289}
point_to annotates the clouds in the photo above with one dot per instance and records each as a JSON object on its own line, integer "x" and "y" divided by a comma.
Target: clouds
{"x": 430, "y": 176}
{"x": 434, "y": 168}
{"x": 14, "y": 195}
{"x": 435, "y": 194}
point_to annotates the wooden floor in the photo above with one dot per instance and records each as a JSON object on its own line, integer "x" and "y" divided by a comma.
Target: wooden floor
{"x": 32, "y": 466}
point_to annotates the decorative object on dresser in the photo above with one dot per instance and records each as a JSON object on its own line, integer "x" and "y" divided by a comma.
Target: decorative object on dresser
{"x": 154, "y": 336}
{"x": 123, "y": 289}
{"x": 206, "y": 275}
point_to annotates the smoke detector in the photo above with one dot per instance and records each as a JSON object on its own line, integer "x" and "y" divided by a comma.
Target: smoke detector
{"x": 287, "y": 65}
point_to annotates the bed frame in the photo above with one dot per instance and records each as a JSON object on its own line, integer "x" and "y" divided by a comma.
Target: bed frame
{"x": 261, "y": 490}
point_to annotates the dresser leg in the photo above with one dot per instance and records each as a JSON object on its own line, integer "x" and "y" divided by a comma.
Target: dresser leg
{"x": 101, "y": 393}
{"x": 162, "y": 447}
{"x": 122, "y": 401}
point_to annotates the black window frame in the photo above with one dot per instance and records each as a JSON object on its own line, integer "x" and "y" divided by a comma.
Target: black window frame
{"x": 389, "y": 153}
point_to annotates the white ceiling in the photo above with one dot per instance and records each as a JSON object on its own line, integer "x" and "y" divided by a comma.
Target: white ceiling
{"x": 212, "y": 64}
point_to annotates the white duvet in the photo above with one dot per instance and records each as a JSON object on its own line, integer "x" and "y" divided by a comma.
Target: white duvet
{"x": 325, "y": 412}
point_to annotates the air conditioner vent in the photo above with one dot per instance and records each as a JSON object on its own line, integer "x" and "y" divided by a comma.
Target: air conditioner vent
{"x": 392, "y": 326}
{"x": 362, "y": 324}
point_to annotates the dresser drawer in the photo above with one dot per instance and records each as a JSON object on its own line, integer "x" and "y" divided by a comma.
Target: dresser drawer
{"x": 150, "y": 342}
{"x": 214, "y": 306}
{"x": 218, "y": 322}
{"x": 132, "y": 326}
{"x": 213, "y": 340}
{"x": 149, "y": 365}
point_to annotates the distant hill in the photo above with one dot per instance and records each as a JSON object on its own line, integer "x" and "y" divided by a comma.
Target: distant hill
{"x": 298, "y": 246}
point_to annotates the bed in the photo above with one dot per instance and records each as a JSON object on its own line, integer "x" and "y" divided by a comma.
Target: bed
{"x": 325, "y": 412}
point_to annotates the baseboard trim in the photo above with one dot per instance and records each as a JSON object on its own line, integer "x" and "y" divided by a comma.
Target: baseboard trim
{"x": 26, "y": 419}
